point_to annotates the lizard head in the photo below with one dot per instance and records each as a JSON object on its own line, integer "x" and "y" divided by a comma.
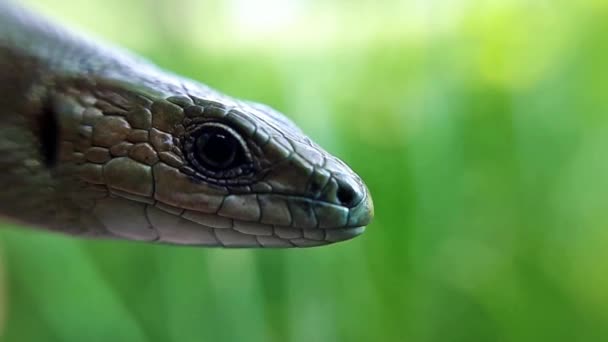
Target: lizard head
{"x": 215, "y": 172}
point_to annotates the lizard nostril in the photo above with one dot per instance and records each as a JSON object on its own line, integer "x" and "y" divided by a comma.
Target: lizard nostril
{"x": 347, "y": 195}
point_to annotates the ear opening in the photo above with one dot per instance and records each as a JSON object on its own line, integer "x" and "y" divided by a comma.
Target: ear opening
{"x": 48, "y": 133}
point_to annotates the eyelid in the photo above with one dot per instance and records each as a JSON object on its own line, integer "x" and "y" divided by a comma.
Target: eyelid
{"x": 239, "y": 175}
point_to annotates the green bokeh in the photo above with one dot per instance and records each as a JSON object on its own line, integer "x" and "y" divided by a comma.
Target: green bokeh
{"x": 480, "y": 127}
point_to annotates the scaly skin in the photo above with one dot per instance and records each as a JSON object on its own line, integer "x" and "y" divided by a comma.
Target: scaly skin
{"x": 98, "y": 143}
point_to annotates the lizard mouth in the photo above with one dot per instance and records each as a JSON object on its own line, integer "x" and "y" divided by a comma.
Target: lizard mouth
{"x": 243, "y": 234}
{"x": 155, "y": 223}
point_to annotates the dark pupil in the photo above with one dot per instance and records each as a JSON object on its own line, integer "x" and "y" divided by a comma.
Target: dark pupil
{"x": 217, "y": 149}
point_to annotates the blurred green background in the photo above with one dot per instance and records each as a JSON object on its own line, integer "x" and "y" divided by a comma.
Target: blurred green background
{"x": 480, "y": 127}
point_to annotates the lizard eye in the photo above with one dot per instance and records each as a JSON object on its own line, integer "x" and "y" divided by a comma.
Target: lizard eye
{"x": 218, "y": 151}
{"x": 217, "y": 148}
